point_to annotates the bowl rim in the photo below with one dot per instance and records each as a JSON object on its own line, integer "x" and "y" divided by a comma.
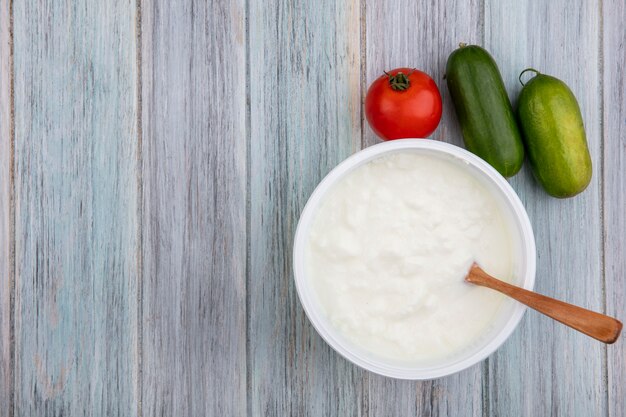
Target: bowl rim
{"x": 313, "y": 311}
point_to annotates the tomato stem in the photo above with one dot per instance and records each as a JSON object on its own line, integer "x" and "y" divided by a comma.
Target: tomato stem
{"x": 400, "y": 81}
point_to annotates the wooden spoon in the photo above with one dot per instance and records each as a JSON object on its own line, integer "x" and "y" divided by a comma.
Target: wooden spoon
{"x": 603, "y": 328}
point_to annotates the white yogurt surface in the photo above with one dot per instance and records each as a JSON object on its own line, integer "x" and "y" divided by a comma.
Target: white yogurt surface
{"x": 388, "y": 251}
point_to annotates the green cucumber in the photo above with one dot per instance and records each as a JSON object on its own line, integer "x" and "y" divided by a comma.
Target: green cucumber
{"x": 554, "y": 135}
{"x": 484, "y": 110}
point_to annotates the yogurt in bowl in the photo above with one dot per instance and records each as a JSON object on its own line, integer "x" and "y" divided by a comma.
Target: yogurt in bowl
{"x": 382, "y": 248}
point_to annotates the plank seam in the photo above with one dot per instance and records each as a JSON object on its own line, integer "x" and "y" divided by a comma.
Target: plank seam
{"x": 139, "y": 103}
{"x": 481, "y": 20}
{"x": 248, "y": 126}
{"x": 605, "y": 366}
{"x": 486, "y": 397}
{"x": 365, "y": 406}
{"x": 12, "y": 234}
{"x": 363, "y": 48}
{"x": 485, "y": 387}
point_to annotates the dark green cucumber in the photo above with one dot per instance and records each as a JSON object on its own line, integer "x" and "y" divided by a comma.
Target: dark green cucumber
{"x": 484, "y": 110}
{"x": 554, "y": 135}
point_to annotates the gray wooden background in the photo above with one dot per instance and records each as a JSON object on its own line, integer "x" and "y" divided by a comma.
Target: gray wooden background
{"x": 155, "y": 156}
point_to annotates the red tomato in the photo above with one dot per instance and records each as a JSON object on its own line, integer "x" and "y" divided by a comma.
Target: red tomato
{"x": 403, "y": 103}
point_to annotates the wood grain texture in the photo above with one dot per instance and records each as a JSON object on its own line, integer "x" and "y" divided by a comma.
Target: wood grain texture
{"x": 76, "y": 208}
{"x": 546, "y": 368}
{"x": 614, "y": 129}
{"x": 153, "y": 268}
{"x": 305, "y": 118}
{"x": 422, "y": 35}
{"x": 6, "y": 184}
{"x": 194, "y": 208}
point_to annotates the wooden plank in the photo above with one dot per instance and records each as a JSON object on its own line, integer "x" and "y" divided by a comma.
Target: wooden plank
{"x": 6, "y": 184}
{"x": 194, "y": 208}
{"x": 75, "y": 208}
{"x": 614, "y": 132}
{"x": 546, "y": 368}
{"x": 422, "y": 35}
{"x": 305, "y": 118}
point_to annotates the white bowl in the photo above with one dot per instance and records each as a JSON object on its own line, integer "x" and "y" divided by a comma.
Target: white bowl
{"x": 510, "y": 313}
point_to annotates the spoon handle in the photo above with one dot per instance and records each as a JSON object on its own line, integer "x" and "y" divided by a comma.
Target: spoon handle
{"x": 603, "y": 328}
